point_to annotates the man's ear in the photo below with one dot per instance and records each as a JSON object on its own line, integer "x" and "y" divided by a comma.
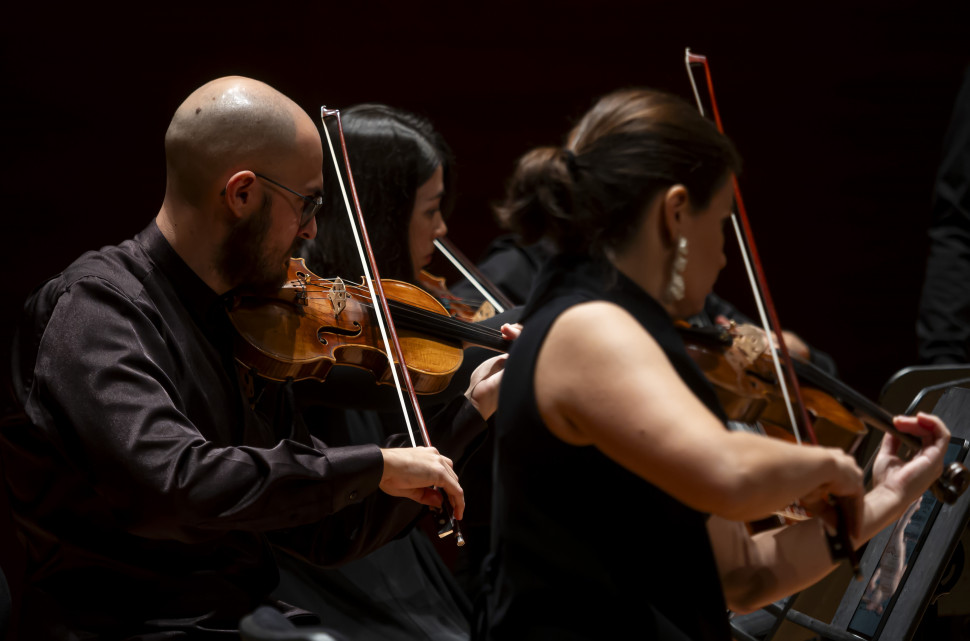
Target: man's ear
{"x": 241, "y": 194}
{"x": 675, "y": 206}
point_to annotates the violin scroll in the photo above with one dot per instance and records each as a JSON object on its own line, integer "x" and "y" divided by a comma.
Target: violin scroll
{"x": 951, "y": 485}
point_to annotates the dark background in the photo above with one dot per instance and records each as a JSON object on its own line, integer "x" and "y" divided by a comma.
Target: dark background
{"x": 838, "y": 110}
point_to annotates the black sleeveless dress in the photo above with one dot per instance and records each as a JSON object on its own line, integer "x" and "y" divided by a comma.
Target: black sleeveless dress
{"x": 581, "y": 547}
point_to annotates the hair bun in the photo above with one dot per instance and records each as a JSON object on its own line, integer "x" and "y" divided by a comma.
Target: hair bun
{"x": 539, "y": 199}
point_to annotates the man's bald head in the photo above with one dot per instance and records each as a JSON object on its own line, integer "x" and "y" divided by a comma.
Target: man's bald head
{"x": 226, "y": 125}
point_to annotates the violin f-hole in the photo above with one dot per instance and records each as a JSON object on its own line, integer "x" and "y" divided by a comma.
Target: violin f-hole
{"x": 339, "y": 331}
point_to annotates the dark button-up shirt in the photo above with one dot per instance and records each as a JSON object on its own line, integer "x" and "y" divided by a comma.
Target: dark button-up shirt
{"x": 943, "y": 324}
{"x": 143, "y": 485}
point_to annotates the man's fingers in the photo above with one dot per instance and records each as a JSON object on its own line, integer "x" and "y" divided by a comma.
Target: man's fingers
{"x": 429, "y": 496}
{"x": 457, "y": 501}
{"x": 413, "y": 472}
{"x": 456, "y": 496}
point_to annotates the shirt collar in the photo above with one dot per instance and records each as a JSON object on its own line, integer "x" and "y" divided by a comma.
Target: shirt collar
{"x": 197, "y": 297}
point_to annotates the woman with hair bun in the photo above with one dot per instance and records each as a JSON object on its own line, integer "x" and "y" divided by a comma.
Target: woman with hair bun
{"x": 605, "y": 422}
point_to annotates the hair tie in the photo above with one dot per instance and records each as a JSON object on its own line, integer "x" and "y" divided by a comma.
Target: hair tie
{"x": 571, "y": 164}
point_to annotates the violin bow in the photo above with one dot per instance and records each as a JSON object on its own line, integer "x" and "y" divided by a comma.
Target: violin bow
{"x": 766, "y": 308}
{"x": 755, "y": 272}
{"x": 385, "y": 320}
{"x": 485, "y": 287}
{"x": 955, "y": 479}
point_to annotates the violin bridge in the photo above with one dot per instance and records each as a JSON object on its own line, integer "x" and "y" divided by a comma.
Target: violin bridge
{"x": 484, "y": 312}
{"x": 749, "y": 341}
{"x": 338, "y": 296}
{"x": 300, "y": 296}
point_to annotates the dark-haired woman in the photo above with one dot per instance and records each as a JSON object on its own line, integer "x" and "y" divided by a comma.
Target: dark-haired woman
{"x": 613, "y": 461}
{"x": 402, "y": 591}
{"x": 406, "y": 181}
{"x": 405, "y": 174}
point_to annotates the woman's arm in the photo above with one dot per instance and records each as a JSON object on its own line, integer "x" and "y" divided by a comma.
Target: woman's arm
{"x": 602, "y": 380}
{"x": 757, "y": 570}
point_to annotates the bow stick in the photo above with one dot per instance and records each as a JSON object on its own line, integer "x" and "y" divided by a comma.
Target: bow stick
{"x": 955, "y": 479}
{"x": 762, "y": 296}
{"x": 752, "y": 263}
{"x": 485, "y": 287}
{"x": 385, "y": 321}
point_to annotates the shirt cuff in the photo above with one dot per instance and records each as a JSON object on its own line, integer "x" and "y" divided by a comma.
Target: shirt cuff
{"x": 357, "y": 471}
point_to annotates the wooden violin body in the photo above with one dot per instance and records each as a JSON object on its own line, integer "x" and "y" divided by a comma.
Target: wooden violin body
{"x": 313, "y": 324}
{"x": 747, "y": 386}
{"x": 749, "y": 392}
{"x": 496, "y": 301}
{"x": 435, "y": 285}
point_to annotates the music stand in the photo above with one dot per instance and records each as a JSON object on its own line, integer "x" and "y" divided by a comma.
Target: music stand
{"x": 925, "y": 544}
{"x": 902, "y": 387}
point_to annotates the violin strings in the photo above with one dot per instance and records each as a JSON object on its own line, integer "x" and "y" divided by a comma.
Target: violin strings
{"x": 422, "y": 319}
{"x": 434, "y": 318}
{"x": 471, "y": 302}
{"x": 438, "y": 324}
{"x": 444, "y": 326}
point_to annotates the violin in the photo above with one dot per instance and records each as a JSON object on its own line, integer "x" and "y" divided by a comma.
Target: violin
{"x": 735, "y": 363}
{"x": 313, "y": 323}
{"x": 458, "y": 308}
{"x": 494, "y": 296}
{"x": 745, "y": 382}
{"x": 955, "y": 478}
{"x": 495, "y": 301}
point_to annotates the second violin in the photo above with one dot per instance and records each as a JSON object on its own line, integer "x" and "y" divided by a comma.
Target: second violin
{"x": 742, "y": 375}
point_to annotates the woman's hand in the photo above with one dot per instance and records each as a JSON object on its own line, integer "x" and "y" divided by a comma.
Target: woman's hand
{"x": 907, "y": 479}
{"x": 845, "y": 486}
{"x": 487, "y": 377}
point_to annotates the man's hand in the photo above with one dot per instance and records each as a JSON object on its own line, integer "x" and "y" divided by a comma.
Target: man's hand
{"x": 414, "y": 472}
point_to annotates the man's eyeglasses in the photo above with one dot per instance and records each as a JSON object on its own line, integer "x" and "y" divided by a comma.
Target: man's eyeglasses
{"x": 311, "y": 204}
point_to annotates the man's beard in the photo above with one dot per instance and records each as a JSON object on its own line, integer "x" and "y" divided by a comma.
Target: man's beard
{"x": 241, "y": 260}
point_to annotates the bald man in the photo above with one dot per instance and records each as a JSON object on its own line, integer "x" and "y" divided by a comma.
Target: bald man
{"x": 143, "y": 485}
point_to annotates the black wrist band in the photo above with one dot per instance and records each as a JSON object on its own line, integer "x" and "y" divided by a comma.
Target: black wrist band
{"x": 840, "y": 545}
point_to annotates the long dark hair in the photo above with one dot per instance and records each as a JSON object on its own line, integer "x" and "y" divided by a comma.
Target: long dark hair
{"x": 590, "y": 195}
{"x": 392, "y": 153}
